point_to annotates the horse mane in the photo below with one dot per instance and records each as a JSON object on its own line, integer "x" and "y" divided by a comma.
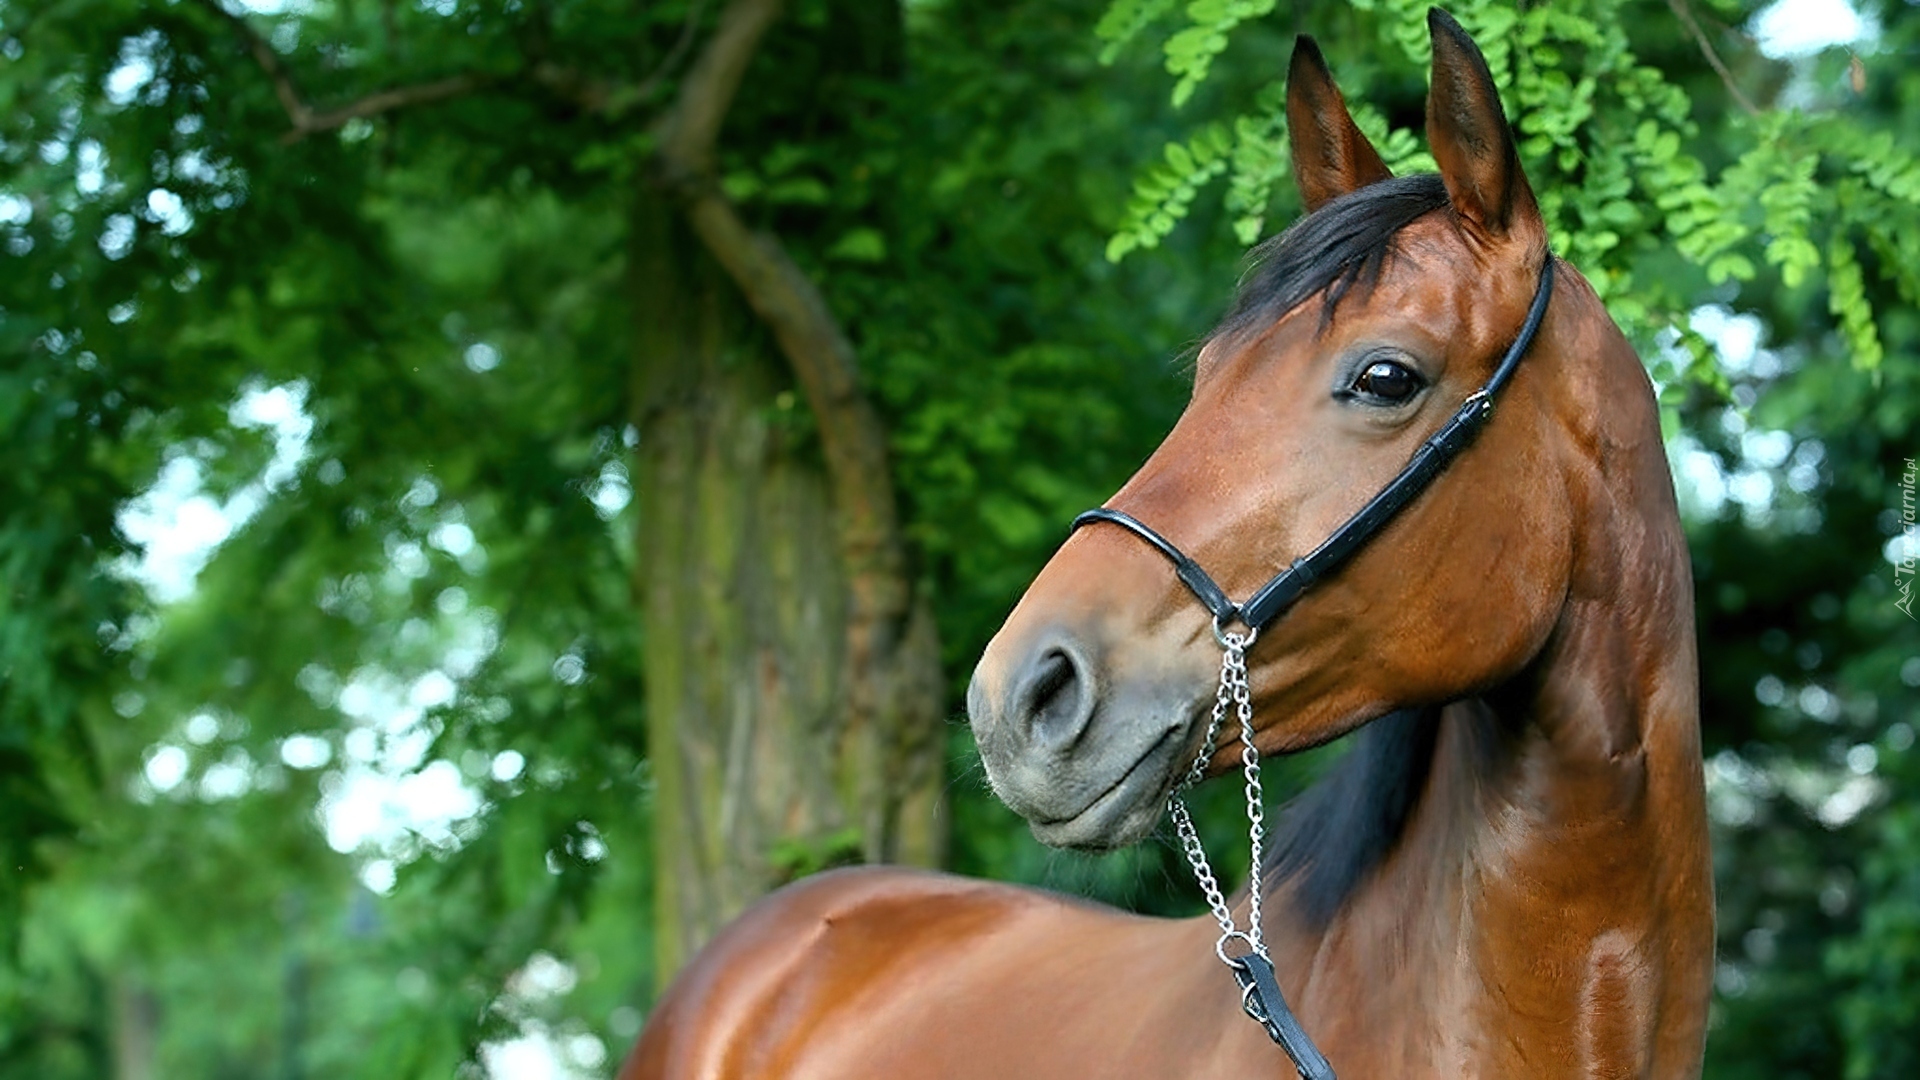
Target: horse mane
{"x": 1343, "y": 244}
{"x": 1333, "y": 834}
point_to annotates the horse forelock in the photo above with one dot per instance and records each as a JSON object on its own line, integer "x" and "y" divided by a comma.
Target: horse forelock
{"x": 1342, "y": 245}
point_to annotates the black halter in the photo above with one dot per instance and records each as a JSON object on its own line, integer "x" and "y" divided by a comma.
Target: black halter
{"x": 1434, "y": 455}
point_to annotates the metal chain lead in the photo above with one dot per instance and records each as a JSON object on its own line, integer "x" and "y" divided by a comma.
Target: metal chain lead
{"x": 1260, "y": 993}
{"x": 1233, "y": 694}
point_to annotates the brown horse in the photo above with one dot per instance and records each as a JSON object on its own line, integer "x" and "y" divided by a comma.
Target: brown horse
{"x": 1507, "y": 875}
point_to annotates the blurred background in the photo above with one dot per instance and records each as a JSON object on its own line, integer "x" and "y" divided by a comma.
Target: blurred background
{"x": 490, "y": 487}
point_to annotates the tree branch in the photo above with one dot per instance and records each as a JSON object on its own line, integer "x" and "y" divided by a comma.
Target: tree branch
{"x": 822, "y": 359}
{"x": 674, "y": 55}
{"x": 691, "y": 127}
{"x": 596, "y": 95}
{"x": 284, "y": 87}
{"x": 790, "y": 304}
{"x": 591, "y": 94}
{"x": 303, "y": 118}
{"x": 384, "y": 101}
{"x": 1685, "y": 15}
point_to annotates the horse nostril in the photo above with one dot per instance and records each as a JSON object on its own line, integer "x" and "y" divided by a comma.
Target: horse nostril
{"x": 1055, "y": 701}
{"x": 1052, "y": 677}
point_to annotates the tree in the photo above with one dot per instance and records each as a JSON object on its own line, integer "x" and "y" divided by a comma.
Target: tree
{"x": 445, "y": 284}
{"x": 791, "y": 702}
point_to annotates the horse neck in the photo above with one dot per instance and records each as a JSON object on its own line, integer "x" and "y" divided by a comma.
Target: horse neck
{"x": 1601, "y": 730}
{"x": 1599, "y": 734}
{"x": 1559, "y": 808}
{"x": 1606, "y": 719}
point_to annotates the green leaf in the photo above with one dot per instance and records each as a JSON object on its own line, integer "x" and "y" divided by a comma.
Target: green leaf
{"x": 801, "y": 190}
{"x": 860, "y": 245}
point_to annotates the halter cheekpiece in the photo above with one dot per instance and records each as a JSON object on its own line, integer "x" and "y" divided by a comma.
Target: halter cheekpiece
{"x": 1245, "y": 952}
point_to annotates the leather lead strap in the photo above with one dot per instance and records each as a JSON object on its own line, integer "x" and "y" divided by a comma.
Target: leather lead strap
{"x": 1267, "y": 1005}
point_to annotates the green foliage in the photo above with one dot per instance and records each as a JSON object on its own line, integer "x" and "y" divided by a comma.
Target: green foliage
{"x": 797, "y": 857}
{"x": 1125, "y": 20}
{"x": 434, "y": 586}
{"x": 1161, "y": 195}
{"x": 1191, "y": 51}
{"x": 1882, "y": 962}
{"x": 442, "y": 292}
{"x": 1579, "y": 95}
{"x": 1847, "y": 300}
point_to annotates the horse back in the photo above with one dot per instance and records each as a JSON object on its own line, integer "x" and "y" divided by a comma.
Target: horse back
{"x": 785, "y": 977}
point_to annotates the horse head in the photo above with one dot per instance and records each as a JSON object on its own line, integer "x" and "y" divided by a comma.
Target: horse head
{"x": 1357, "y": 334}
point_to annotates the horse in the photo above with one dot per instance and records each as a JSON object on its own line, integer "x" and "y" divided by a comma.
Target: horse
{"x": 1506, "y": 875}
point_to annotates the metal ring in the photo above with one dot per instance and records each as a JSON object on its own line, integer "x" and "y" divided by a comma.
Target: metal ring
{"x": 1220, "y": 947}
{"x": 1220, "y": 632}
{"x": 1250, "y": 1003}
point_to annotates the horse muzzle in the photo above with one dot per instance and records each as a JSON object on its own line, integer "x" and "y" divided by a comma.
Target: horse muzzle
{"x": 1087, "y": 759}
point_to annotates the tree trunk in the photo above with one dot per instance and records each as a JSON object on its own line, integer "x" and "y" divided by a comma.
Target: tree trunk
{"x": 136, "y": 1024}
{"x": 763, "y": 769}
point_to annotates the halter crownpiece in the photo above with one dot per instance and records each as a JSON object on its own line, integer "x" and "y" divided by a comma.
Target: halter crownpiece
{"x": 1260, "y": 992}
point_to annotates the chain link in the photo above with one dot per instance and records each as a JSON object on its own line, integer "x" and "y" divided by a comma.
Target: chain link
{"x": 1233, "y": 695}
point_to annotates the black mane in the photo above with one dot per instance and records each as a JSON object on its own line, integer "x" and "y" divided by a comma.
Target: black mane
{"x": 1331, "y": 836}
{"x": 1342, "y": 244}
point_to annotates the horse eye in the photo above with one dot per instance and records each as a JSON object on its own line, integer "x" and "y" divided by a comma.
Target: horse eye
{"x": 1388, "y": 383}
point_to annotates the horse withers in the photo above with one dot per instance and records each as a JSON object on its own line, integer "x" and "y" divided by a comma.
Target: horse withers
{"x": 1506, "y": 876}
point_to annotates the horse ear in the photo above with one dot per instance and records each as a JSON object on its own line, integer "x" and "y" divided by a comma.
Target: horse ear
{"x": 1468, "y": 133}
{"x": 1330, "y": 156}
